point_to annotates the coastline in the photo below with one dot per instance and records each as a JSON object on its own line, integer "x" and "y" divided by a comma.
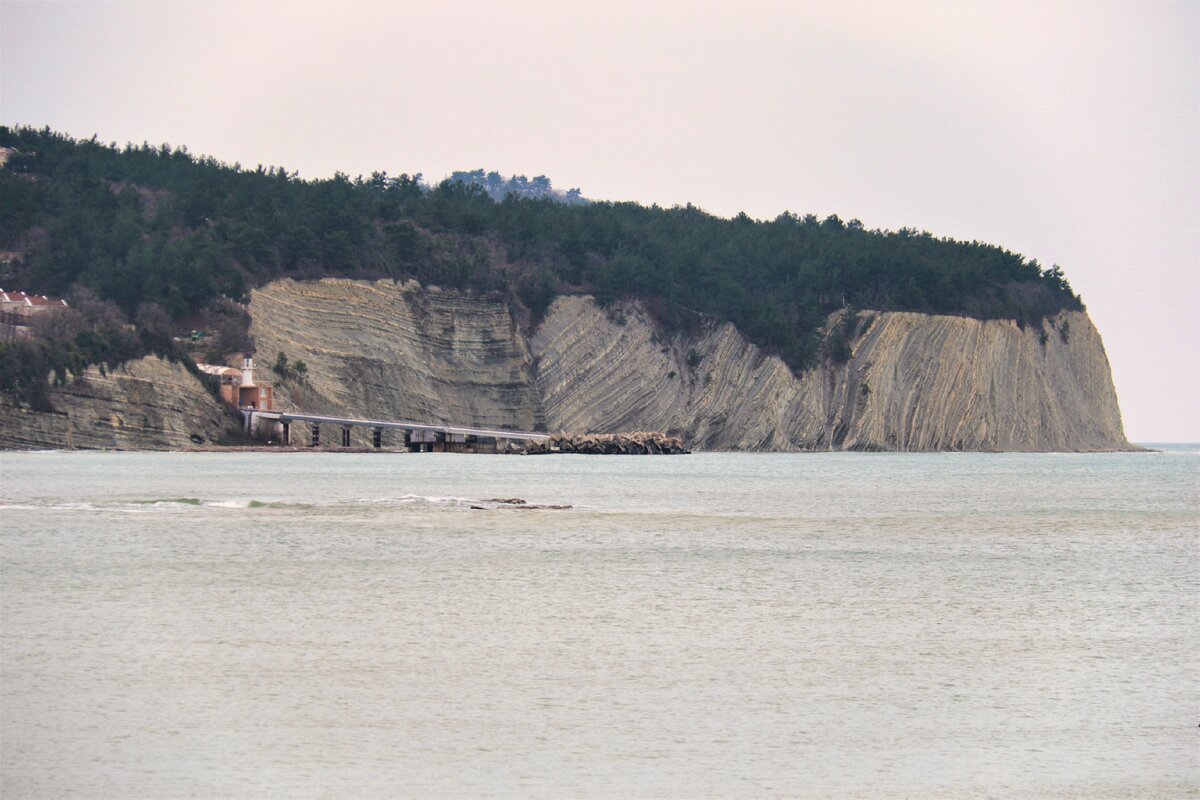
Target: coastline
{"x": 267, "y": 448}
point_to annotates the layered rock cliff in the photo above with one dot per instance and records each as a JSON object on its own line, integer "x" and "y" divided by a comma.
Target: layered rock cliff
{"x": 385, "y": 350}
{"x": 146, "y": 404}
{"x": 912, "y": 381}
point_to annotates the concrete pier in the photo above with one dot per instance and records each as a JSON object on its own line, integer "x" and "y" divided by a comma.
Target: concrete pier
{"x": 418, "y": 437}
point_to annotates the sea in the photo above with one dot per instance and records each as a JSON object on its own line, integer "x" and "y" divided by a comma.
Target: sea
{"x": 824, "y": 625}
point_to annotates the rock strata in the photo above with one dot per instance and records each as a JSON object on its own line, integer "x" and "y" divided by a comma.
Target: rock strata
{"x": 388, "y": 350}
{"x": 148, "y": 404}
{"x": 911, "y": 382}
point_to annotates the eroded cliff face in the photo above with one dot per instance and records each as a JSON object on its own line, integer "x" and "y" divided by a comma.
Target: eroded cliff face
{"x": 149, "y": 404}
{"x": 384, "y": 350}
{"x": 913, "y": 381}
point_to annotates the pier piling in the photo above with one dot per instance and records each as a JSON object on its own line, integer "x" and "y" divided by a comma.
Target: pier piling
{"x": 417, "y": 437}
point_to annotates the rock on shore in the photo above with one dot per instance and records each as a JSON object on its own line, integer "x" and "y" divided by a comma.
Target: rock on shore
{"x": 642, "y": 443}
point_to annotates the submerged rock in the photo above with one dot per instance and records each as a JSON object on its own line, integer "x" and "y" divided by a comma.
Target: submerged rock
{"x": 519, "y": 504}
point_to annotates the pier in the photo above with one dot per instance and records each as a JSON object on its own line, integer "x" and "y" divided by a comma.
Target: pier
{"x": 415, "y": 437}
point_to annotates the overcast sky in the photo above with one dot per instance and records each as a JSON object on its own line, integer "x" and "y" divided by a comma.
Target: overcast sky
{"x": 1066, "y": 132}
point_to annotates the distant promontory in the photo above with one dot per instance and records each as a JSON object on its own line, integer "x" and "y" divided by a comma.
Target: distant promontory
{"x": 533, "y": 309}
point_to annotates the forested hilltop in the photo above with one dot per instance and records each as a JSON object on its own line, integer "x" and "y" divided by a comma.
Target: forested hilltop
{"x": 165, "y": 235}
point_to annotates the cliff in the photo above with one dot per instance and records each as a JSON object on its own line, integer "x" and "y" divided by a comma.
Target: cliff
{"x": 912, "y": 381}
{"x": 399, "y": 351}
{"x": 385, "y": 350}
{"x": 149, "y": 404}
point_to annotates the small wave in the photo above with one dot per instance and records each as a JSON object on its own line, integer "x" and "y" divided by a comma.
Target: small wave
{"x": 276, "y": 504}
{"x": 447, "y": 501}
{"x": 158, "y": 505}
{"x": 253, "y": 504}
{"x": 455, "y": 502}
{"x": 125, "y": 507}
{"x": 178, "y": 505}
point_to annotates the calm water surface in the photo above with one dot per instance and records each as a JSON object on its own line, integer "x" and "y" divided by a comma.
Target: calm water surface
{"x": 834, "y": 625}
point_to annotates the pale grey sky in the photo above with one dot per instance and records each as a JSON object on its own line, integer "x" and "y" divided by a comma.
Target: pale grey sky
{"x": 1064, "y": 131}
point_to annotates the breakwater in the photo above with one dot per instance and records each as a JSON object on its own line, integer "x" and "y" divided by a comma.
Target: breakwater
{"x": 642, "y": 443}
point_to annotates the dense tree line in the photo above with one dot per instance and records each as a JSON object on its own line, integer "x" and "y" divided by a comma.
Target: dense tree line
{"x": 91, "y": 331}
{"x": 149, "y": 225}
{"x": 499, "y": 188}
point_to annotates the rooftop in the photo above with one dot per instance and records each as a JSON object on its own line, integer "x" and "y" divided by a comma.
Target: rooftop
{"x": 21, "y": 298}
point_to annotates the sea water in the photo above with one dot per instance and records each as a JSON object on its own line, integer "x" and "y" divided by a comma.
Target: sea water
{"x": 714, "y": 625}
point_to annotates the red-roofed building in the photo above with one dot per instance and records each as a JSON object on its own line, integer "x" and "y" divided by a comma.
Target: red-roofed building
{"x": 27, "y": 304}
{"x": 17, "y": 307}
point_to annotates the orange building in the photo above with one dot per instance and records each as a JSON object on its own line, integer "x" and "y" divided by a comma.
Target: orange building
{"x": 238, "y": 387}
